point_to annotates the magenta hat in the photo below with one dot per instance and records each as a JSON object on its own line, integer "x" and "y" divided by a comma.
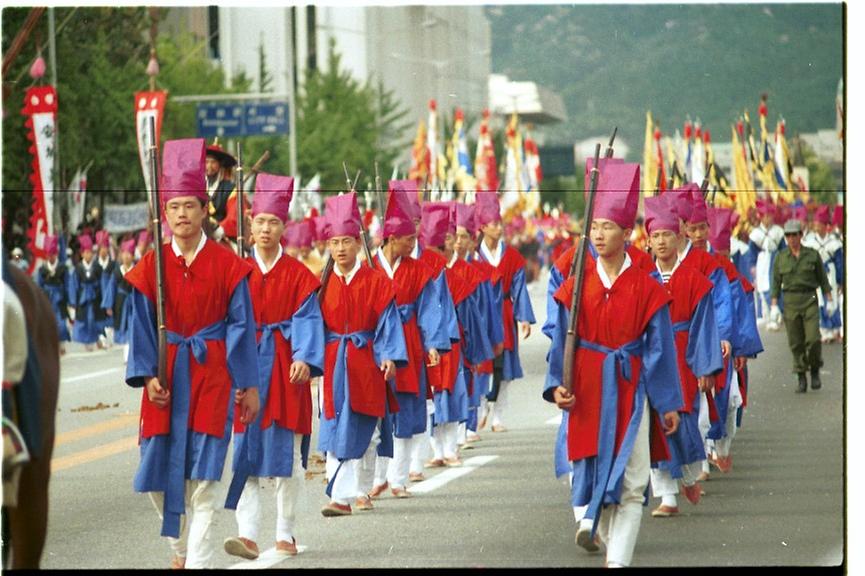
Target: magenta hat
{"x": 320, "y": 223}
{"x": 838, "y": 215}
{"x": 144, "y": 237}
{"x": 103, "y": 240}
{"x": 618, "y": 194}
{"x": 128, "y": 246}
{"x": 764, "y": 207}
{"x": 272, "y": 195}
{"x": 659, "y": 215}
{"x": 682, "y": 200}
{"x": 85, "y": 242}
{"x": 52, "y": 244}
{"x": 699, "y": 210}
{"x": 466, "y": 218}
{"x": 289, "y": 235}
{"x": 342, "y": 216}
{"x": 305, "y": 232}
{"x": 602, "y": 163}
{"x": 822, "y": 214}
{"x": 800, "y": 213}
{"x": 487, "y": 208}
{"x": 398, "y": 219}
{"x": 435, "y": 223}
{"x": 183, "y": 169}
{"x": 720, "y": 222}
{"x": 409, "y": 189}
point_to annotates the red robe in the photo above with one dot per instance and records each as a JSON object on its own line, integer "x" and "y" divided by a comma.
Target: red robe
{"x": 229, "y": 224}
{"x": 511, "y": 262}
{"x": 639, "y": 258}
{"x": 195, "y": 297}
{"x": 472, "y": 277}
{"x": 444, "y": 375}
{"x": 491, "y": 274}
{"x": 277, "y": 296}
{"x": 346, "y": 309}
{"x": 408, "y": 282}
{"x": 611, "y": 318}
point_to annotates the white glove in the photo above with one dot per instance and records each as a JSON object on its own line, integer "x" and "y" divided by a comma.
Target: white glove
{"x": 71, "y": 311}
{"x": 218, "y": 234}
{"x": 775, "y": 314}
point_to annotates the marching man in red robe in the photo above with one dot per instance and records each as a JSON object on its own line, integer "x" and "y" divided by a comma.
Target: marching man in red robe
{"x": 625, "y": 364}
{"x": 290, "y": 351}
{"x": 364, "y": 347}
{"x": 186, "y": 421}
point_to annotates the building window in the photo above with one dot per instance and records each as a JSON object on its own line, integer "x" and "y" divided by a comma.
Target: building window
{"x": 213, "y": 32}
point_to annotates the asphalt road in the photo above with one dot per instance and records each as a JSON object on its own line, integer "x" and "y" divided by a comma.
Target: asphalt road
{"x": 783, "y": 504}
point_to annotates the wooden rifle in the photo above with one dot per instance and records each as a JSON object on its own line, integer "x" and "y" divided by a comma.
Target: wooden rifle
{"x": 364, "y": 233}
{"x": 238, "y": 188}
{"x": 257, "y": 166}
{"x": 609, "y": 152}
{"x": 155, "y": 214}
{"x": 577, "y": 272}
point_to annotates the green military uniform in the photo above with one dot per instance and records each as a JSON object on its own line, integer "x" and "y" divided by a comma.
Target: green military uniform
{"x": 798, "y": 279}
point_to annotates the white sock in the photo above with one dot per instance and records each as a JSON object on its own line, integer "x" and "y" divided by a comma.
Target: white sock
{"x": 670, "y": 500}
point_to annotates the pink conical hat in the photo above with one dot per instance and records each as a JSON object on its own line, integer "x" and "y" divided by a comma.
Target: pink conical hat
{"x": 720, "y": 222}
{"x": 272, "y": 195}
{"x": 435, "y": 223}
{"x": 183, "y": 170}
{"x": 342, "y": 215}
{"x": 659, "y": 215}
{"x": 398, "y": 219}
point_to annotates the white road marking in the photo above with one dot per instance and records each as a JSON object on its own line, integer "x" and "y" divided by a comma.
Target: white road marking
{"x": 450, "y": 474}
{"x": 91, "y": 375}
{"x": 265, "y": 560}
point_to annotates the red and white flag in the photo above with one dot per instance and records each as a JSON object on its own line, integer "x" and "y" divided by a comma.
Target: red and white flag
{"x": 148, "y": 105}
{"x": 40, "y": 108}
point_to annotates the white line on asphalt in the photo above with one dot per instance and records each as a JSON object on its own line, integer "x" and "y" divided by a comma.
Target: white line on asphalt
{"x": 265, "y": 560}
{"x": 446, "y": 476}
{"x": 555, "y": 420}
{"x": 90, "y": 375}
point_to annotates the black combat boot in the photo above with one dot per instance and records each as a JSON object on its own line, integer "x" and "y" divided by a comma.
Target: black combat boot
{"x": 815, "y": 380}
{"x": 803, "y": 383}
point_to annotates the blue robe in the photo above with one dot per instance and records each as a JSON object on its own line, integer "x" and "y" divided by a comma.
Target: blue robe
{"x": 85, "y": 296}
{"x": 55, "y": 287}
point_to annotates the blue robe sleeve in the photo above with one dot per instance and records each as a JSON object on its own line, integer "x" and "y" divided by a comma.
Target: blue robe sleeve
{"x": 143, "y": 348}
{"x": 493, "y": 314}
{"x": 449, "y": 317}
{"x": 660, "y": 369}
{"x": 723, "y": 304}
{"x": 307, "y": 336}
{"x": 477, "y": 345}
{"x": 430, "y": 319}
{"x": 389, "y": 342}
{"x": 747, "y": 326}
{"x": 703, "y": 354}
{"x": 552, "y": 287}
{"x": 838, "y": 259}
{"x": 109, "y": 290}
{"x": 522, "y": 303}
{"x": 72, "y": 287}
{"x": 556, "y": 356}
{"x": 240, "y": 347}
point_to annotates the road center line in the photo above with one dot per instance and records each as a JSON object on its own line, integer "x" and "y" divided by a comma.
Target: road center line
{"x": 450, "y": 474}
{"x": 90, "y": 375}
{"x": 121, "y": 421}
{"x": 96, "y": 453}
{"x": 265, "y": 560}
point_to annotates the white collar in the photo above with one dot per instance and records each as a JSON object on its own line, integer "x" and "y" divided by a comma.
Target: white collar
{"x": 52, "y": 267}
{"x": 176, "y": 248}
{"x": 415, "y": 253}
{"x": 350, "y": 275}
{"x": 104, "y": 263}
{"x": 262, "y": 265}
{"x": 673, "y": 271}
{"x": 386, "y": 266}
{"x": 87, "y": 266}
{"x": 454, "y": 259}
{"x": 684, "y": 253}
{"x": 493, "y": 258}
{"x": 124, "y": 270}
{"x": 605, "y": 280}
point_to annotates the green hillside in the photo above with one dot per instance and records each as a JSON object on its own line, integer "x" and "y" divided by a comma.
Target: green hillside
{"x": 611, "y": 63}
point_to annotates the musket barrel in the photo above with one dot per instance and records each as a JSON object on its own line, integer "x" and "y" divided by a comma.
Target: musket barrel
{"x": 156, "y": 212}
{"x": 238, "y": 188}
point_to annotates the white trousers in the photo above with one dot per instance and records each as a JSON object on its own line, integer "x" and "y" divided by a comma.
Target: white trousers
{"x": 365, "y": 466}
{"x": 497, "y": 408}
{"x": 288, "y": 490}
{"x": 703, "y": 423}
{"x": 444, "y": 440}
{"x": 345, "y": 486}
{"x": 194, "y": 543}
{"x": 395, "y": 470}
{"x": 722, "y": 446}
{"x": 619, "y": 525}
{"x": 420, "y": 445}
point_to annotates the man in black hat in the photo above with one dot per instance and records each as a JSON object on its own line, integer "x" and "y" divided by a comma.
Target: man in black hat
{"x": 220, "y": 185}
{"x": 798, "y": 272}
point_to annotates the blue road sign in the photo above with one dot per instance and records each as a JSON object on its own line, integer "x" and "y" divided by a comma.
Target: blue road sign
{"x": 238, "y": 119}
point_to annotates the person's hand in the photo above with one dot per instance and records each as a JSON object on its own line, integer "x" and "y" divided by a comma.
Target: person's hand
{"x": 705, "y": 383}
{"x": 388, "y": 368}
{"x": 564, "y": 399}
{"x": 299, "y": 372}
{"x": 671, "y": 423}
{"x": 525, "y": 329}
{"x": 433, "y": 357}
{"x": 249, "y": 405}
{"x": 71, "y": 311}
{"x": 739, "y": 362}
{"x": 775, "y": 314}
{"x": 157, "y": 394}
{"x": 109, "y": 312}
{"x": 725, "y": 349}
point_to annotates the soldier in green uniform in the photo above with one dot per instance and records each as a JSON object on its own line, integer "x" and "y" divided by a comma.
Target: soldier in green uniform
{"x": 797, "y": 273}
